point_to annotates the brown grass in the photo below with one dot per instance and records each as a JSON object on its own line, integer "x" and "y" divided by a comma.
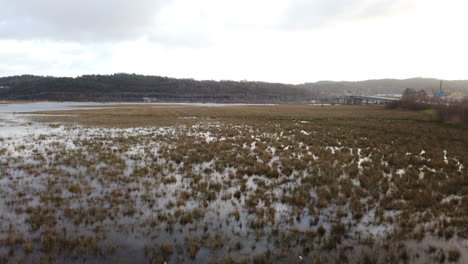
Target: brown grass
{"x": 223, "y": 194}
{"x": 148, "y": 115}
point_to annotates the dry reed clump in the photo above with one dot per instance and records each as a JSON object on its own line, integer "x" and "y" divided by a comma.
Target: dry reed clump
{"x": 159, "y": 253}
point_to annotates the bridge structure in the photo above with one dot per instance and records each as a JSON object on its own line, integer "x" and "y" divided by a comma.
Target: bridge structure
{"x": 360, "y": 100}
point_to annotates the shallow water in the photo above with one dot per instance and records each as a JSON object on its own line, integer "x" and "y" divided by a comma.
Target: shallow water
{"x": 48, "y": 106}
{"x": 27, "y": 144}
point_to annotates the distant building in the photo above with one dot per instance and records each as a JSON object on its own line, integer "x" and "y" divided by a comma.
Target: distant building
{"x": 455, "y": 96}
{"x": 428, "y": 94}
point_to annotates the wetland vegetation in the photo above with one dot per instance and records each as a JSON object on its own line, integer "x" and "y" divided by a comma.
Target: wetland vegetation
{"x": 234, "y": 184}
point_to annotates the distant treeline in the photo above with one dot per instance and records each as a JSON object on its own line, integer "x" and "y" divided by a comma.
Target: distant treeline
{"x": 452, "y": 111}
{"x": 132, "y": 87}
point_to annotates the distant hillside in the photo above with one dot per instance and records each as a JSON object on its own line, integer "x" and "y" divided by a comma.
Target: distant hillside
{"x": 131, "y": 87}
{"x": 385, "y": 86}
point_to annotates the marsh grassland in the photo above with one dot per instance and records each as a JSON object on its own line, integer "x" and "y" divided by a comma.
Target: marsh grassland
{"x": 234, "y": 184}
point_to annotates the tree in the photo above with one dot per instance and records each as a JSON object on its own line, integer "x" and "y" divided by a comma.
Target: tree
{"x": 421, "y": 96}
{"x": 409, "y": 95}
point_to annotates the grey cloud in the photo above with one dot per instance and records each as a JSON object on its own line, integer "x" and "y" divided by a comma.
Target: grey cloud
{"x": 303, "y": 14}
{"x": 77, "y": 20}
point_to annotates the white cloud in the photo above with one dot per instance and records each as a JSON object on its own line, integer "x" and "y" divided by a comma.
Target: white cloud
{"x": 277, "y": 40}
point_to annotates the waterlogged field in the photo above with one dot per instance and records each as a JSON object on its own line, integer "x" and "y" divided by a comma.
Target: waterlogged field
{"x": 232, "y": 184}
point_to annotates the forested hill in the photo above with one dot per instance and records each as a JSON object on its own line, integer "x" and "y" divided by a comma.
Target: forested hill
{"x": 388, "y": 86}
{"x": 131, "y": 87}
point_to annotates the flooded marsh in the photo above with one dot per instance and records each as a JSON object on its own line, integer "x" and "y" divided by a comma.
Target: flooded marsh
{"x": 232, "y": 184}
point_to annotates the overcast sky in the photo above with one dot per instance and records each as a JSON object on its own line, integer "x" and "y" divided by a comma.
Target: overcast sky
{"x": 292, "y": 41}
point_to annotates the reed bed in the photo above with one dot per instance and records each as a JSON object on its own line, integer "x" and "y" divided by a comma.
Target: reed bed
{"x": 235, "y": 184}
